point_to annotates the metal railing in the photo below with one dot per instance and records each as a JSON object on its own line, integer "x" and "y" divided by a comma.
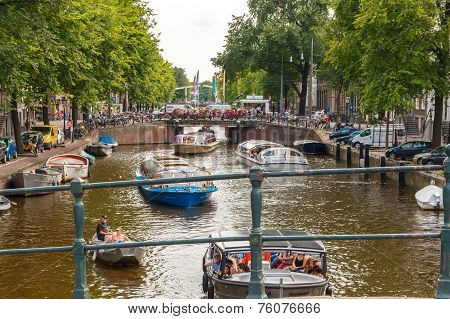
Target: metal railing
{"x": 256, "y": 176}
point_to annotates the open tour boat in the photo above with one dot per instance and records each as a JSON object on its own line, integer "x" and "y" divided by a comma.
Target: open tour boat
{"x": 182, "y": 194}
{"x": 272, "y": 156}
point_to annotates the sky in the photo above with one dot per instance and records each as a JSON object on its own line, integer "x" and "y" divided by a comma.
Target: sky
{"x": 193, "y": 31}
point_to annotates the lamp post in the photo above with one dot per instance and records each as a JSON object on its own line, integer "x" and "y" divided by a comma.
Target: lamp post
{"x": 347, "y": 108}
{"x": 282, "y": 84}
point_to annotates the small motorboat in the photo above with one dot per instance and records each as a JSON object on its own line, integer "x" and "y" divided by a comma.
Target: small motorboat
{"x": 182, "y": 194}
{"x": 99, "y": 149}
{"x": 272, "y": 156}
{"x": 279, "y": 283}
{"x": 311, "y": 147}
{"x": 90, "y": 157}
{"x": 27, "y": 180}
{"x": 109, "y": 140}
{"x": 71, "y": 166}
{"x": 128, "y": 256}
{"x": 195, "y": 143}
{"x": 5, "y": 203}
{"x": 430, "y": 198}
{"x": 48, "y": 171}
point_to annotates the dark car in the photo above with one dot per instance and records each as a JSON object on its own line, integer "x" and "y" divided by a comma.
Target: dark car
{"x": 11, "y": 148}
{"x": 408, "y": 150}
{"x": 342, "y": 132}
{"x": 436, "y": 157}
{"x": 347, "y": 138}
{"x": 3, "y": 150}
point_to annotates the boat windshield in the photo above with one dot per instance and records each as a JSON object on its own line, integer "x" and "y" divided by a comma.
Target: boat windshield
{"x": 281, "y": 152}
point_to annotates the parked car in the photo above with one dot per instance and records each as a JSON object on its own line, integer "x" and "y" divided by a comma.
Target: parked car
{"x": 61, "y": 137}
{"x": 346, "y": 139}
{"x": 435, "y": 157}
{"x": 49, "y": 134}
{"x": 3, "y": 151}
{"x": 11, "y": 148}
{"x": 33, "y": 142}
{"x": 342, "y": 132}
{"x": 408, "y": 150}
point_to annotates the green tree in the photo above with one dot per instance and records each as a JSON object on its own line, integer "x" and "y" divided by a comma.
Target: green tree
{"x": 274, "y": 31}
{"x": 181, "y": 80}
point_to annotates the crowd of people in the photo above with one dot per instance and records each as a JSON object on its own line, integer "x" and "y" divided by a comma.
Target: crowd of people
{"x": 238, "y": 263}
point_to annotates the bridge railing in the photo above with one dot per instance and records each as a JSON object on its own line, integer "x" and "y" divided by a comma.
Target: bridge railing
{"x": 255, "y": 237}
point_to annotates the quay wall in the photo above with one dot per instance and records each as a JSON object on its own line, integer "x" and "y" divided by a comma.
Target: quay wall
{"x": 140, "y": 134}
{"x": 30, "y": 163}
{"x": 416, "y": 180}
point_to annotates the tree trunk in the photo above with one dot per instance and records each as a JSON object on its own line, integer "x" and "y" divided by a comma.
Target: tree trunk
{"x": 437, "y": 123}
{"x": 74, "y": 114}
{"x": 16, "y": 124}
{"x": 45, "y": 109}
{"x": 338, "y": 105}
{"x": 303, "y": 94}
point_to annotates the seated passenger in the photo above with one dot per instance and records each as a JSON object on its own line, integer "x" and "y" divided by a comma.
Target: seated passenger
{"x": 215, "y": 262}
{"x": 308, "y": 265}
{"x": 286, "y": 261}
{"x": 317, "y": 271}
{"x": 118, "y": 236}
{"x": 231, "y": 267}
{"x": 243, "y": 268}
{"x": 297, "y": 263}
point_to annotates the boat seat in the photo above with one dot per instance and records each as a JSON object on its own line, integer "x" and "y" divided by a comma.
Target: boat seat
{"x": 265, "y": 264}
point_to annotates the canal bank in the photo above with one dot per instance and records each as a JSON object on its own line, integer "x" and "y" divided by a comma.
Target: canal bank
{"x": 160, "y": 133}
{"x": 29, "y": 162}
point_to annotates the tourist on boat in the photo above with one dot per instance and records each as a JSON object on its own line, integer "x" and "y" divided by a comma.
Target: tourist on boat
{"x": 103, "y": 232}
{"x": 309, "y": 265}
{"x": 215, "y": 262}
{"x": 118, "y": 236}
{"x": 231, "y": 267}
{"x": 298, "y": 262}
{"x": 317, "y": 271}
{"x": 243, "y": 267}
{"x": 286, "y": 261}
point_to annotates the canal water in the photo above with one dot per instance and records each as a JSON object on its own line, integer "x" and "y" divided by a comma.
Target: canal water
{"x": 321, "y": 205}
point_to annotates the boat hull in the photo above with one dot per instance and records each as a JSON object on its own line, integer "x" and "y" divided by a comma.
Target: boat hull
{"x": 194, "y": 149}
{"x": 312, "y": 148}
{"x": 99, "y": 150}
{"x": 71, "y": 166}
{"x": 5, "y": 203}
{"x": 176, "y": 196}
{"x": 230, "y": 289}
{"x": 430, "y": 198}
{"x": 129, "y": 256}
{"x": 27, "y": 180}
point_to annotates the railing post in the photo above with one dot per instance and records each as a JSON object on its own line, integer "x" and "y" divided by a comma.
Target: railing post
{"x": 383, "y": 164}
{"x": 366, "y": 155}
{"x": 81, "y": 290}
{"x": 349, "y": 156}
{"x": 443, "y": 286}
{"x": 338, "y": 152}
{"x": 256, "y": 288}
{"x": 401, "y": 176}
{"x": 361, "y": 154}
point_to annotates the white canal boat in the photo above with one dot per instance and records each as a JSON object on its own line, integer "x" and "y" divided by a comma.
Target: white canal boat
{"x": 195, "y": 143}
{"x": 430, "y": 198}
{"x": 272, "y": 156}
{"x": 71, "y": 166}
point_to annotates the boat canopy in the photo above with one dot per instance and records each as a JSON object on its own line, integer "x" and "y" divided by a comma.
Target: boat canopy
{"x": 248, "y": 145}
{"x": 315, "y": 246}
{"x": 302, "y": 142}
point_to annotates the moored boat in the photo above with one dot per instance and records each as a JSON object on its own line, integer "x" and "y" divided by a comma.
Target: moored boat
{"x": 281, "y": 280}
{"x": 272, "y": 156}
{"x": 90, "y": 157}
{"x": 71, "y": 166}
{"x": 99, "y": 149}
{"x": 127, "y": 256}
{"x": 182, "y": 194}
{"x": 27, "y": 180}
{"x": 311, "y": 147}
{"x": 48, "y": 171}
{"x": 430, "y": 198}
{"x": 109, "y": 140}
{"x": 5, "y": 203}
{"x": 195, "y": 143}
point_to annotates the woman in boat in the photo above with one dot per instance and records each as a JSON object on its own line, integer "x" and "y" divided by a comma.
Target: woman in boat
{"x": 118, "y": 236}
{"x": 297, "y": 263}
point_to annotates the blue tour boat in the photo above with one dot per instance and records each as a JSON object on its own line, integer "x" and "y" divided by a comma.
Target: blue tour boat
{"x": 109, "y": 140}
{"x": 182, "y": 194}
